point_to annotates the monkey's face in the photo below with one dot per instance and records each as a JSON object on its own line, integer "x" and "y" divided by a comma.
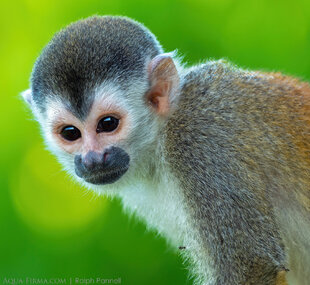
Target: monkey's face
{"x": 101, "y": 89}
{"x": 93, "y": 146}
{"x": 114, "y": 129}
{"x": 108, "y": 141}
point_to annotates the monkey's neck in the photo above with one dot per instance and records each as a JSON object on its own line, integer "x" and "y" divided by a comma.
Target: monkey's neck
{"x": 159, "y": 204}
{"x": 155, "y": 197}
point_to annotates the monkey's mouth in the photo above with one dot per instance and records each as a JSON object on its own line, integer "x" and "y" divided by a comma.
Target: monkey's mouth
{"x": 105, "y": 177}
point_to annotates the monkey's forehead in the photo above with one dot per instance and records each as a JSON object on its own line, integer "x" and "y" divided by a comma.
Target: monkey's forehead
{"x": 89, "y": 52}
{"x": 107, "y": 97}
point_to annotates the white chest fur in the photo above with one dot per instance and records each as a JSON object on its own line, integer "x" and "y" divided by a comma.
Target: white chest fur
{"x": 160, "y": 205}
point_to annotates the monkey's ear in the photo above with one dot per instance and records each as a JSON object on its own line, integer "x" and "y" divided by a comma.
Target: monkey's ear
{"x": 164, "y": 81}
{"x": 27, "y": 96}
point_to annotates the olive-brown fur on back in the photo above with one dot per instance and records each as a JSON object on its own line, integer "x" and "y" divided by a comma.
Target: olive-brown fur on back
{"x": 238, "y": 141}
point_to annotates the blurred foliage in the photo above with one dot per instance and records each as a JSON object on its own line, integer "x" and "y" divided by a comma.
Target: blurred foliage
{"x": 49, "y": 226}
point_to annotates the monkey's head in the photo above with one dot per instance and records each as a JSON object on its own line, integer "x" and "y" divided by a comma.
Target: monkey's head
{"x": 100, "y": 90}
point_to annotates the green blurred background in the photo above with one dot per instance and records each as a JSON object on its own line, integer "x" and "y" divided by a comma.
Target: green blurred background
{"x": 53, "y": 229}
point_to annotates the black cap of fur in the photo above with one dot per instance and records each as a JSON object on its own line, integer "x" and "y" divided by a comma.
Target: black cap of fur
{"x": 87, "y": 52}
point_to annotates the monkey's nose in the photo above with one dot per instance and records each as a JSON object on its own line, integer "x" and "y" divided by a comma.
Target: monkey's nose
{"x": 102, "y": 167}
{"x": 92, "y": 159}
{"x": 91, "y": 162}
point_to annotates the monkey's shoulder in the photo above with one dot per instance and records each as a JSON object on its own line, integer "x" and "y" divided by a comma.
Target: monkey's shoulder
{"x": 224, "y": 111}
{"x": 224, "y": 79}
{"x": 222, "y": 88}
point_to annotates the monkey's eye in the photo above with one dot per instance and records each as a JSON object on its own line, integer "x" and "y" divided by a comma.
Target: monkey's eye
{"x": 107, "y": 124}
{"x": 70, "y": 133}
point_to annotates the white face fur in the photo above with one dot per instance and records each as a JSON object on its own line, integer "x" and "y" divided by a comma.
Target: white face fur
{"x": 134, "y": 130}
{"x": 122, "y": 125}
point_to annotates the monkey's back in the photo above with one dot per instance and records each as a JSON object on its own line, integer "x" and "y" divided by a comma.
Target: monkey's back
{"x": 252, "y": 130}
{"x": 239, "y": 144}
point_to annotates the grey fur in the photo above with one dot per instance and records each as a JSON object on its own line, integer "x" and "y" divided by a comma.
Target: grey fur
{"x": 85, "y": 54}
{"x": 229, "y": 147}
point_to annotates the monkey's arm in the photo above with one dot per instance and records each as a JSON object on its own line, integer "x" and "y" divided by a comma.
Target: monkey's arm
{"x": 236, "y": 236}
{"x": 231, "y": 145}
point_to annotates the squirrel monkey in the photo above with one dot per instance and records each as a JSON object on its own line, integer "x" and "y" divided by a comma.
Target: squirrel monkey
{"x": 214, "y": 157}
